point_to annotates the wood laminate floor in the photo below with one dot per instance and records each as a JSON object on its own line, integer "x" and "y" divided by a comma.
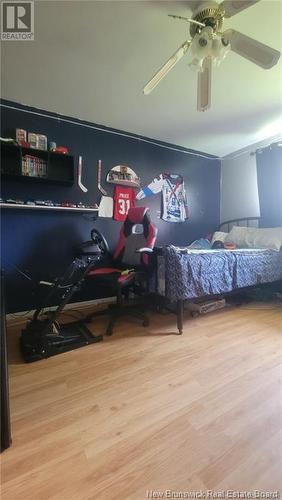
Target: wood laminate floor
{"x": 148, "y": 411}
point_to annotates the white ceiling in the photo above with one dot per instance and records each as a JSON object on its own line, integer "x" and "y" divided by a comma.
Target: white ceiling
{"x": 90, "y": 60}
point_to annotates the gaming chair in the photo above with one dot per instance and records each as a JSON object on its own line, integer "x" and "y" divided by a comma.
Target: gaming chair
{"x": 130, "y": 266}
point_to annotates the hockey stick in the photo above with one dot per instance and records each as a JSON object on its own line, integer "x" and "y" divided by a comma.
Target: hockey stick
{"x": 82, "y": 187}
{"x": 99, "y": 172}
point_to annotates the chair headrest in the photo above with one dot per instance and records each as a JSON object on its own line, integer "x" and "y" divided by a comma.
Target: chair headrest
{"x": 136, "y": 215}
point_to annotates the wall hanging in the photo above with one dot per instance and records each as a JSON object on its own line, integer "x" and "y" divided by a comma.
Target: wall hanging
{"x": 79, "y": 174}
{"x": 106, "y": 207}
{"x": 124, "y": 176}
{"x": 99, "y": 176}
{"x": 124, "y": 199}
{"x": 174, "y": 200}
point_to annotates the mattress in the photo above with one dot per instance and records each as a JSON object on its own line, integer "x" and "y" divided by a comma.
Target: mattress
{"x": 184, "y": 273}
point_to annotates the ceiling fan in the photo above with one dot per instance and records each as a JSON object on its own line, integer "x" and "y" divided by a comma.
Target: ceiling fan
{"x": 209, "y": 46}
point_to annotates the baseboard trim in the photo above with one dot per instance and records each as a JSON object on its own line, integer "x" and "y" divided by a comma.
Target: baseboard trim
{"x": 14, "y": 319}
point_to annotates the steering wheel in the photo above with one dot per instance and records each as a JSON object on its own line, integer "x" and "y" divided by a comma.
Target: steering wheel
{"x": 100, "y": 240}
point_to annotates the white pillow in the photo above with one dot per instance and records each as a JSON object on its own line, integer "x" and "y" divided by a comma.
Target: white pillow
{"x": 265, "y": 238}
{"x": 237, "y": 235}
{"x": 219, "y": 236}
{"x": 253, "y": 237}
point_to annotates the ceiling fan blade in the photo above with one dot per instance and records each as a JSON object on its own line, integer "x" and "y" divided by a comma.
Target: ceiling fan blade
{"x": 256, "y": 52}
{"x": 232, "y": 7}
{"x": 164, "y": 70}
{"x": 204, "y": 86}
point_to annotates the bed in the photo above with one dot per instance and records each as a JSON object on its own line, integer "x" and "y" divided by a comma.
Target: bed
{"x": 195, "y": 274}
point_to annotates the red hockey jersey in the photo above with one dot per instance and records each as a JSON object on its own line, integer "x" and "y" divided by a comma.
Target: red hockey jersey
{"x": 124, "y": 199}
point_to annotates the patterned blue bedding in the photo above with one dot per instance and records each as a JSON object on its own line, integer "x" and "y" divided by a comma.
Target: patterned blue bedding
{"x": 184, "y": 273}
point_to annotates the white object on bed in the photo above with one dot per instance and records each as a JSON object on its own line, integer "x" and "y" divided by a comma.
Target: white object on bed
{"x": 219, "y": 236}
{"x": 237, "y": 236}
{"x": 252, "y": 237}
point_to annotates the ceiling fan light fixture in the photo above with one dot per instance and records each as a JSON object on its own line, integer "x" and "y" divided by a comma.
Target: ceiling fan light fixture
{"x": 219, "y": 50}
{"x": 207, "y": 44}
{"x": 200, "y": 48}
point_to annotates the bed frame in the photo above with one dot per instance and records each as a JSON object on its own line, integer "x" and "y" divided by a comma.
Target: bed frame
{"x": 246, "y": 221}
{"x": 224, "y": 226}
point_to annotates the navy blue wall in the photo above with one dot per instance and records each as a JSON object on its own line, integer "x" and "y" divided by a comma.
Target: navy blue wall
{"x": 42, "y": 243}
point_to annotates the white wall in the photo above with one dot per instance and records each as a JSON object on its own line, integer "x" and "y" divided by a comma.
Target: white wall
{"x": 239, "y": 188}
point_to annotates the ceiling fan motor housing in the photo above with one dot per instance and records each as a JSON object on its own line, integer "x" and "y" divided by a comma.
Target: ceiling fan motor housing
{"x": 209, "y": 14}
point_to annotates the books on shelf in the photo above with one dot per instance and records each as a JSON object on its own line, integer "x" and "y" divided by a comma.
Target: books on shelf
{"x": 33, "y": 166}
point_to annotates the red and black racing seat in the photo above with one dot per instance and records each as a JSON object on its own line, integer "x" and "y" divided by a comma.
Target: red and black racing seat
{"x": 130, "y": 265}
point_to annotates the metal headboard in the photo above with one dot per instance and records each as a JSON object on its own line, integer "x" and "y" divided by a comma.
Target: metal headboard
{"x": 226, "y": 226}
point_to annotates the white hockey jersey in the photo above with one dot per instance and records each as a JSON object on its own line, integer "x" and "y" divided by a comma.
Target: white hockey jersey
{"x": 174, "y": 201}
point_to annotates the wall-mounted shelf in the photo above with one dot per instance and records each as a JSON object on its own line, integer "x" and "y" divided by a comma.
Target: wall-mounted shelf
{"x": 58, "y": 167}
{"x": 45, "y": 207}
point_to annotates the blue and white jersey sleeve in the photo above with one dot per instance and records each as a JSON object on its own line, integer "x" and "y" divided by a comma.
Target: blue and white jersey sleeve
{"x": 154, "y": 187}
